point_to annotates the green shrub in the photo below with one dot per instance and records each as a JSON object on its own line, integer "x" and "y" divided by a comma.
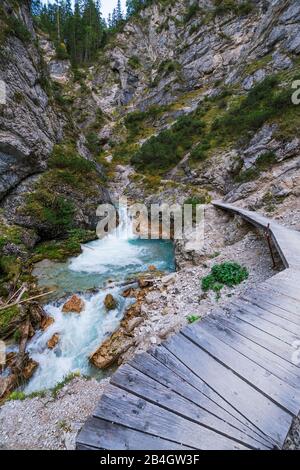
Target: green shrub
{"x": 60, "y": 250}
{"x": 263, "y": 163}
{"x": 61, "y": 51}
{"x": 52, "y": 210}
{"x": 224, "y": 7}
{"x": 198, "y": 200}
{"x": 265, "y": 160}
{"x": 93, "y": 143}
{"x": 200, "y": 151}
{"x": 166, "y": 149}
{"x": 192, "y": 11}
{"x": 64, "y": 157}
{"x": 193, "y": 318}
{"x": 17, "y": 395}
{"x": 168, "y": 66}
{"x": 265, "y": 101}
{"x": 18, "y": 28}
{"x": 7, "y": 315}
{"x": 228, "y": 273}
{"x": 134, "y": 62}
{"x": 137, "y": 121}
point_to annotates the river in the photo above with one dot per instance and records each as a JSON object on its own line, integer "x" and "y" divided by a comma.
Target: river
{"x": 102, "y": 263}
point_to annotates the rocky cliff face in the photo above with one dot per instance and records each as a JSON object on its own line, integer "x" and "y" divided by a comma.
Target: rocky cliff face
{"x": 49, "y": 181}
{"x": 29, "y": 124}
{"x": 204, "y": 57}
{"x": 208, "y": 60}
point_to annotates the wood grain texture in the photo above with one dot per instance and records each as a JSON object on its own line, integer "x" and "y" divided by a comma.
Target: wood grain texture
{"x": 226, "y": 382}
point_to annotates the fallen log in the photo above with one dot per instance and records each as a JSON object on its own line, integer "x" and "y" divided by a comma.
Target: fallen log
{"x": 27, "y": 300}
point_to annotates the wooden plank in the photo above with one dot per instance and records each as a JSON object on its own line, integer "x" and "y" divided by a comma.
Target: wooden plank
{"x": 255, "y": 375}
{"x": 150, "y": 366}
{"x": 274, "y": 303}
{"x": 121, "y": 407}
{"x": 268, "y": 316}
{"x": 258, "y": 409}
{"x": 258, "y": 336}
{"x": 287, "y": 241}
{"x": 284, "y": 288}
{"x": 242, "y": 312}
{"x": 178, "y": 368}
{"x": 144, "y": 387}
{"x": 85, "y": 447}
{"x": 261, "y": 356}
{"x": 101, "y": 434}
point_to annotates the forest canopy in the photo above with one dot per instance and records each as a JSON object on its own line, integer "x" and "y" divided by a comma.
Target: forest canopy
{"x": 80, "y": 31}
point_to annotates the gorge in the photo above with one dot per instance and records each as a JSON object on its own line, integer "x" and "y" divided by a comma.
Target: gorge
{"x": 181, "y": 102}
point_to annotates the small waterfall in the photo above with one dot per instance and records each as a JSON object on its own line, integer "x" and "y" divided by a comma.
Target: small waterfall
{"x": 113, "y": 258}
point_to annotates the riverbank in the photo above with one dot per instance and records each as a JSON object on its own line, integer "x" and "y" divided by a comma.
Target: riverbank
{"x": 52, "y": 423}
{"x": 49, "y": 422}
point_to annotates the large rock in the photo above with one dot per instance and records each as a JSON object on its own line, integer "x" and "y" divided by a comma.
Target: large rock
{"x": 53, "y": 341}
{"x": 74, "y": 304}
{"x": 110, "y": 302}
{"x": 29, "y": 369}
{"x": 29, "y": 124}
{"x": 46, "y": 322}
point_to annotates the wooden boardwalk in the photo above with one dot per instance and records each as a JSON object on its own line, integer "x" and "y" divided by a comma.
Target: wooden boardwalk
{"x": 226, "y": 382}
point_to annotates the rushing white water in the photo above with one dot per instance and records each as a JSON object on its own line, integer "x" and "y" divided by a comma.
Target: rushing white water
{"x": 113, "y": 258}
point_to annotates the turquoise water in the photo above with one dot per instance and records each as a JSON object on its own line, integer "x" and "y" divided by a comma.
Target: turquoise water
{"x": 114, "y": 258}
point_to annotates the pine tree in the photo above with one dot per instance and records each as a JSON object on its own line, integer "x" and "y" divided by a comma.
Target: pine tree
{"x": 77, "y": 32}
{"x": 119, "y": 11}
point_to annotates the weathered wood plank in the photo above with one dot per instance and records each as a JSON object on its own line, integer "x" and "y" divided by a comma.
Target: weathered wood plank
{"x": 85, "y": 447}
{"x": 121, "y": 407}
{"x": 265, "y": 415}
{"x": 242, "y": 312}
{"x": 268, "y": 316}
{"x": 177, "y": 367}
{"x": 287, "y": 241}
{"x": 150, "y": 366}
{"x": 261, "y": 356}
{"x": 274, "y": 303}
{"x": 100, "y": 434}
{"x": 144, "y": 387}
{"x": 284, "y": 287}
{"x": 255, "y": 375}
{"x": 258, "y": 336}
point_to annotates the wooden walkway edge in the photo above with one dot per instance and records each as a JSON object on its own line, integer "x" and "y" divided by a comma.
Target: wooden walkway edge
{"x": 229, "y": 381}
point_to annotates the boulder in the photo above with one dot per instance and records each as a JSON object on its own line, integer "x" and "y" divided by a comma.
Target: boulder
{"x": 46, "y": 322}
{"x": 152, "y": 267}
{"x": 29, "y": 369}
{"x": 53, "y": 341}
{"x": 133, "y": 323}
{"x": 74, "y": 304}
{"x": 110, "y": 302}
{"x": 144, "y": 282}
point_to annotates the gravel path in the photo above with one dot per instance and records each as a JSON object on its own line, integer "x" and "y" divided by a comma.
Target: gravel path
{"x": 49, "y": 423}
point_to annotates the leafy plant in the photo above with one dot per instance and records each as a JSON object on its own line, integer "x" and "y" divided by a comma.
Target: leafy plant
{"x": 193, "y": 318}
{"x": 228, "y": 273}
